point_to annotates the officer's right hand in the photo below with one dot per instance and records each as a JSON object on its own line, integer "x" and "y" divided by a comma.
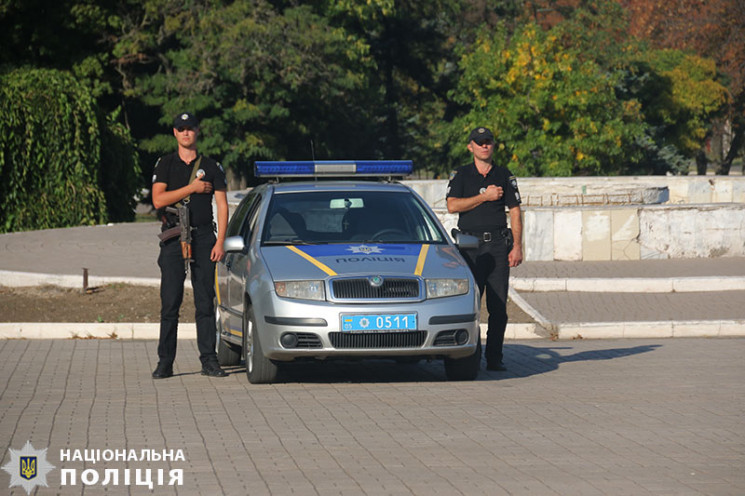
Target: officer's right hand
{"x": 493, "y": 192}
{"x": 201, "y": 186}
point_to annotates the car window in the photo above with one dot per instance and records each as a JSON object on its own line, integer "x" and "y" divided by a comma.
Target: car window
{"x": 238, "y": 218}
{"x": 253, "y": 215}
{"x": 352, "y": 216}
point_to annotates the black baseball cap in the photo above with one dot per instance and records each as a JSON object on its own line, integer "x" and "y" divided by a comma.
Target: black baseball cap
{"x": 480, "y": 135}
{"x": 185, "y": 120}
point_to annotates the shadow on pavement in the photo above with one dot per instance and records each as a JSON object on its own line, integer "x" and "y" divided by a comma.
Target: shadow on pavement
{"x": 521, "y": 361}
{"x": 524, "y": 361}
{"x": 356, "y": 371}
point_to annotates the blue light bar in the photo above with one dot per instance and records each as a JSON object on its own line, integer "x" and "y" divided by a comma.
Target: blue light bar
{"x": 334, "y": 168}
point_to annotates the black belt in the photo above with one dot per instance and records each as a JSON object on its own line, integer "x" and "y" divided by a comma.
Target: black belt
{"x": 487, "y": 236}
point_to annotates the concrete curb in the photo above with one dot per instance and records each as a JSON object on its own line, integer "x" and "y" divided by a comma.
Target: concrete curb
{"x": 537, "y": 284}
{"x": 661, "y": 329}
{"x": 75, "y": 330}
{"x": 630, "y": 284}
{"x": 595, "y": 330}
{"x": 23, "y": 279}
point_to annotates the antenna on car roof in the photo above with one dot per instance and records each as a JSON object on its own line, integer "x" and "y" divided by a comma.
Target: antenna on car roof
{"x": 312, "y": 151}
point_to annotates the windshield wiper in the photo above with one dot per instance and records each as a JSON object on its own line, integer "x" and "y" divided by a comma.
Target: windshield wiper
{"x": 293, "y": 242}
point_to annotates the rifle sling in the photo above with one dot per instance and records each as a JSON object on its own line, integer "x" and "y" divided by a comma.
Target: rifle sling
{"x": 186, "y": 200}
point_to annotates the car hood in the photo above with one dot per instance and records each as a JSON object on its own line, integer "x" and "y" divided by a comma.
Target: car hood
{"x": 320, "y": 261}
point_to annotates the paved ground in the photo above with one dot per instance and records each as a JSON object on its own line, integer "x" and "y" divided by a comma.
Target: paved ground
{"x": 622, "y": 307}
{"x": 603, "y": 417}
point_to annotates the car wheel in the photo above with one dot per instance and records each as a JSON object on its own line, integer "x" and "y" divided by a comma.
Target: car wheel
{"x": 227, "y": 353}
{"x": 464, "y": 369}
{"x": 259, "y": 369}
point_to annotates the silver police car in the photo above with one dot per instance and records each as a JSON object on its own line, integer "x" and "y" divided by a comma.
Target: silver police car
{"x": 343, "y": 269}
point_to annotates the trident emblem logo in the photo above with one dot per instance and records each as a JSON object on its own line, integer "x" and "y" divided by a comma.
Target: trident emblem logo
{"x": 28, "y": 467}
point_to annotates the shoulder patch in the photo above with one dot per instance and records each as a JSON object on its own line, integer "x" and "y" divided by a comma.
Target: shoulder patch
{"x": 452, "y": 175}
{"x": 513, "y": 183}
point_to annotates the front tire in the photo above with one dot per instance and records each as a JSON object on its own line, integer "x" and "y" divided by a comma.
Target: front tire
{"x": 464, "y": 369}
{"x": 259, "y": 369}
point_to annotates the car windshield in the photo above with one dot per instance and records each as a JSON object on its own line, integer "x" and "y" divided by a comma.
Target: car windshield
{"x": 349, "y": 217}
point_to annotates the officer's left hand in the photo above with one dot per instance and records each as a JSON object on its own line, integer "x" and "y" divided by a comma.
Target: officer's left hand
{"x": 217, "y": 253}
{"x": 515, "y": 257}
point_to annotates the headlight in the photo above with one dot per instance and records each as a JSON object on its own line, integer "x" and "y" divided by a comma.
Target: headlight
{"x": 304, "y": 290}
{"x": 439, "y": 288}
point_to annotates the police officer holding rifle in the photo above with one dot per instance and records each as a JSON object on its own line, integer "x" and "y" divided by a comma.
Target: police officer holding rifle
{"x": 184, "y": 184}
{"x": 479, "y": 192}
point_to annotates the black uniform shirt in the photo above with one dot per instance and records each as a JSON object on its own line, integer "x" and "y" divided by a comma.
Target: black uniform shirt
{"x": 173, "y": 171}
{"x": 489, "y": 216}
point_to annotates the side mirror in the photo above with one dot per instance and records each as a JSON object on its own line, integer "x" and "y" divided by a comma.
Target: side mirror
{"x": 234, "y": 244}
{"x": 464, "y": 241}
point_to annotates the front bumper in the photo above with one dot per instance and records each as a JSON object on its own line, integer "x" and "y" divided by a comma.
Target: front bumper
{"x": 291, "y": 329}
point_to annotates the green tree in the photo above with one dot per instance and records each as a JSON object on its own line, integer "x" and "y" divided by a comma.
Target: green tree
{"x": 412, "y": 46}
{"x": 265, "y": 83}
{"x": 554, "y": 112}
{"x": 51, "y": 158}
{"x": 581, "y": 96}
{"x": 691, "y": 98}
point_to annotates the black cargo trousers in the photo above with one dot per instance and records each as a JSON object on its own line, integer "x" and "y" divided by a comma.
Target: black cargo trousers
{"x": 490, "y": 267}
{"x": 172, "y": 276}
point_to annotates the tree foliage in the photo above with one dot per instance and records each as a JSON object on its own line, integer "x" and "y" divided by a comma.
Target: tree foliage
{"x": 51, "y": 157}
{"x": 571, "y": 86}
{"x": 712, "y": 29}
{"x": 582, "y": 97}
{"x": 553, "y": 112}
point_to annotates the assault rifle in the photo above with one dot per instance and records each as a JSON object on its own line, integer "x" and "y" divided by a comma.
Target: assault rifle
{"x": 182, "y": 229}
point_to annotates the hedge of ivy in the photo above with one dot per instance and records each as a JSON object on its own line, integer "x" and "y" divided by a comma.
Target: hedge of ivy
{"x": 52, "y": 169}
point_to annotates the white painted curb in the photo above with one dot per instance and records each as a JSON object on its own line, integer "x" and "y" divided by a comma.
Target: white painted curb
{"x": 55, "y": 330}
{"x": 661, "y": 329}
{"x": 594, "y": 330}
{"x": 24, "y": 279}
{"x": 629, "y": 284}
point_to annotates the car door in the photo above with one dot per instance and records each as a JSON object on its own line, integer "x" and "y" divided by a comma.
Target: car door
{"x": 239, "y": 265}
{"x": 224, "y": 268}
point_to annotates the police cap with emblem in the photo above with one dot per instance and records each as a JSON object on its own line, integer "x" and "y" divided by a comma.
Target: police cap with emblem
{"x": 480, "y": 135}
{"x": 186, "y": 120}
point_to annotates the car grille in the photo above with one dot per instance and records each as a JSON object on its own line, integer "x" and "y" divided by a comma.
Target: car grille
{"x": 361, "y": 289}
{"x": 445, "y": 338}
{"x": 308, "y": 340}
{"x": 410, "y": 339}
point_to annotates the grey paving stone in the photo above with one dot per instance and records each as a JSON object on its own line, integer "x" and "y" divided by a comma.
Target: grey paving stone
{"x": 628, "y": 307}
{"x": 581, "y": 417}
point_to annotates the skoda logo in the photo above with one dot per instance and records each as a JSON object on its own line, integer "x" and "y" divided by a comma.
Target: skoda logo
{"x": 376, "y": 281}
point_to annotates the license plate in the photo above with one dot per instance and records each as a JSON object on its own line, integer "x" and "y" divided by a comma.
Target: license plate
{"x": 378, "y": 322}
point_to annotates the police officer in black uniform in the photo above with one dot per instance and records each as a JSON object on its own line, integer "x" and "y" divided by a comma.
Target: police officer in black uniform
{"x": 186, "y": 177}
{"x": 479, "y": 192}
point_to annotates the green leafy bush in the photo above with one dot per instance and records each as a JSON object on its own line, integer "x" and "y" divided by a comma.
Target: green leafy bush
{"x": 52, "y": 167}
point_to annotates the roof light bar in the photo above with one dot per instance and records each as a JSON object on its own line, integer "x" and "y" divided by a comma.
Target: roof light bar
{"x": 334, "y": 168}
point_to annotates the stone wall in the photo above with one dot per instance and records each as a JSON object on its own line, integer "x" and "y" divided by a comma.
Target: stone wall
{"x": 677, "y": 217}
{"x": 540, "y": 191}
